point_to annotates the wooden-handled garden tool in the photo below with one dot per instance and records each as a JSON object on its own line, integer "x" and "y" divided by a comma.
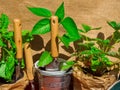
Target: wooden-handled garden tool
{"x": 18, "y": 42}
{"x": 29, "y": 64}
{"x": 54, "y": 33}
{"x": 54, "y": 42}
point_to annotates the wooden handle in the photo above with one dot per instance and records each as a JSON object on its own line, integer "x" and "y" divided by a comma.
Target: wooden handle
{"x": 54, "y": 33}
{"x": 18, "y": 38}
{"x": 28, "y": 61}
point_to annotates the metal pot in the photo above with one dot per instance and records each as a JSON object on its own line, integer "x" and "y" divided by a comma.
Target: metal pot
{"x": 54, "y": 80}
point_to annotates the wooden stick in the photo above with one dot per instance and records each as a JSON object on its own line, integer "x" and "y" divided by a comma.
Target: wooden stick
{"x": 54, "y": 41}
{"x": 54, "y": 33}
{"x": 28, "y": 61}
{"x": 18, "y": 38}
{"x": 18, "y": 42}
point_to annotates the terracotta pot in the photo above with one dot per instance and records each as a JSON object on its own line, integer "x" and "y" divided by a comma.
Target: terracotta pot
{"x": 54, "y": 80}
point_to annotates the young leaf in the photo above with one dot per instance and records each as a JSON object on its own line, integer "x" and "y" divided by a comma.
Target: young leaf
{"x": 2, "y": 70}
{"x": 118, "y": 25}
{"x": 114, "y": 25}
{"x": 10, "y": 64}
{"x": 2, "y": 44}
{"x": 45, "y": 59}
{"x": 41, "y": 27}
{"x": 109, "y": 63}
{"x": 67, "y": 65}
{"x": 40, "y": 11}
{"x": 86, "y": 45}
{"x": 105, "y": 42}
{"x": 81, "y": 31}
{"x": 60, "y": 12}
{"x": 71, "y": 27}
{"x": 116, "y": 35}
{"x": 7, "y": 68}
{"x": 26, "y": 36}
{"x": 4, "y": 21}
{"x": 96, "y": 28}
{"x": 65, "y": 40}
{"x": 86, "y": 27}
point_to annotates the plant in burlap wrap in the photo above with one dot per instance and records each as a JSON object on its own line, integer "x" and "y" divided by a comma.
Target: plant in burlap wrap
{"x": 97, "y": 64}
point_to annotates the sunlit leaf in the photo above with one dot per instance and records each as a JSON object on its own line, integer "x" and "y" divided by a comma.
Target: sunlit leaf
{"x": 60, "y": 12}
{"x": 40, "y": 11}
{"x": 67, "y": 65}
{"x": 71, "y": 28}
{"x": 86, "y": 27}
{"x": 41, "y": 27}
{"x": 45, "y": 59}
{"x": 114, "y": 25}
{"x": 4, "y": 22}
{"x": 67, "y": 39}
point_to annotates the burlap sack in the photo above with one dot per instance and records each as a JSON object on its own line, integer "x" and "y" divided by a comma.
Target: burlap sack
{"x": 84, "y": 81}
{"x": 19, "y": 85}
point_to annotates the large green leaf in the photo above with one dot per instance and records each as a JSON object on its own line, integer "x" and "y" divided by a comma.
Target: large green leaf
{"x": 66, "y": 39}
{"x": 71, "y": 28}
{"x": 40, "y": 11}
{"x": 45, "y": 59}
{"x": 41, "y": 27}
{"x": 60, "y": 12}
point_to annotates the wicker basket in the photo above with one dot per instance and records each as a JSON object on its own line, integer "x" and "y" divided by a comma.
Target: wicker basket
{"x": 18, "y": 85}
{"x": 84, "y": 81}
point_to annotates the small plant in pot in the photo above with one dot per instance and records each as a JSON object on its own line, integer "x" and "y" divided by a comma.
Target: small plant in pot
{"x": 97, "y": 66}
{"x": 54, "y": 70}
{"x": 8, "y": 55}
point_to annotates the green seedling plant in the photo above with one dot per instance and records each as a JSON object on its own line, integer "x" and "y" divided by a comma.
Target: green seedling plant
{"x": 94, "y": 52}
{"x": 43, "y": 27}
{"x": 8, "y": 49}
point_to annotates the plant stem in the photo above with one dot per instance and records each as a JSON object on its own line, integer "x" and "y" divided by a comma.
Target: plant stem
{"x": 107, "y": 48}
{"x": 8, "y": 52}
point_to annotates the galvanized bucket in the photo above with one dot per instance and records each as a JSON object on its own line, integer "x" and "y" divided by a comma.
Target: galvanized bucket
{"x": 54, "y": 80}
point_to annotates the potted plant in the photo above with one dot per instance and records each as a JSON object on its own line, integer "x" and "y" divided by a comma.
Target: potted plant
{"x": 55, "y": 72}
{"x": 97, "y": 65}
{"x": 8, "y": 56}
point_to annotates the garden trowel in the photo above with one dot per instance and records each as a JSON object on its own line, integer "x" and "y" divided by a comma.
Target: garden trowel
{"x": 29, "y": 65}
{"x": 54, "y": 42}
{"x": 18, "y": 42}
